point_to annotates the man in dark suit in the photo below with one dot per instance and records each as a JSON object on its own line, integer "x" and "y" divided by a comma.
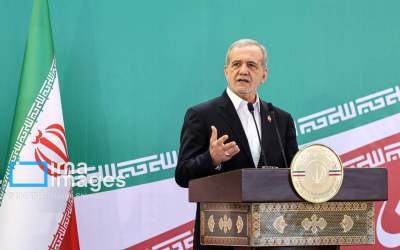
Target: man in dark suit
{"x": 220, "y": 135}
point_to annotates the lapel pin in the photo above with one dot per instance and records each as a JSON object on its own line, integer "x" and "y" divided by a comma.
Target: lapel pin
{"x": 269, "y": 118}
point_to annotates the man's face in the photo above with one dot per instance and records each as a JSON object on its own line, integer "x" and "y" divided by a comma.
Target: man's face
{"x": 245, "y": 71}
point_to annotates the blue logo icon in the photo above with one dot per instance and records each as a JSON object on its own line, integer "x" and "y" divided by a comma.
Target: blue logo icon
{"x": 30, "y": 174}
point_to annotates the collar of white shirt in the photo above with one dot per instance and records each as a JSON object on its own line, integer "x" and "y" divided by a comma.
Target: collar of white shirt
{"x": 237, "y": 100}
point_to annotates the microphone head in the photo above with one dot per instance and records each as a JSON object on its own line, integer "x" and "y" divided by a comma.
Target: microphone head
{"x": 250, "y": 107}
{"x": 270, "y": 107}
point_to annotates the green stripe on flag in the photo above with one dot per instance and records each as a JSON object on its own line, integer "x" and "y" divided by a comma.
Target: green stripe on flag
{"x": 37, "y": 62}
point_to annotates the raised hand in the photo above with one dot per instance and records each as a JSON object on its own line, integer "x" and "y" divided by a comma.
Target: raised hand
{"x": 219, "y": 150}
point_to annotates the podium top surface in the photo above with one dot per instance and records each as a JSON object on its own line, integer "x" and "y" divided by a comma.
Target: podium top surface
{"x": 274, "y": 185}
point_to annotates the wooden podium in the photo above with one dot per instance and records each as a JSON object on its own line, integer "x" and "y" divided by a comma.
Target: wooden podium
{"x": 259, "y": 208}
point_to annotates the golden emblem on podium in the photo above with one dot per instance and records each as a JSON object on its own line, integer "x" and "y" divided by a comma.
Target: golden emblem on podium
{"x": 317, "y": 173}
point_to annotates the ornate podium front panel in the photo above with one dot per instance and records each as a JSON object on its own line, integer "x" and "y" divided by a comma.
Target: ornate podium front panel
{"x": 287, "y": 224}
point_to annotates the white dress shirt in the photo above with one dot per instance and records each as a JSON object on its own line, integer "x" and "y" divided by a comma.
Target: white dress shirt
{"x": 248, "y": 123}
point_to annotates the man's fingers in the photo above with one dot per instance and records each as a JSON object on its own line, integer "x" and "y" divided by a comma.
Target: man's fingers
{"x": 235, "y": 150}
{"x": 222, "y": 139}
{"x": 232, "y": 152}
{"x": 214, "y": 134}
{"x": 221, "y": 152}
{"x": 229, "y": 145}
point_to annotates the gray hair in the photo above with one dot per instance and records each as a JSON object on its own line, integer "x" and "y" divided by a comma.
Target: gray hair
{"x": 247, "y": 42}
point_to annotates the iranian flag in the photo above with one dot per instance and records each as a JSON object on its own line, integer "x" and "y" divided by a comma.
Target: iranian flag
{"x": 36, "y": 203}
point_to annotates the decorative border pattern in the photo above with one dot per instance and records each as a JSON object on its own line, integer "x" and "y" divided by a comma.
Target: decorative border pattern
{"x": 63, "y": 224}
{"x": 288, "y": 224}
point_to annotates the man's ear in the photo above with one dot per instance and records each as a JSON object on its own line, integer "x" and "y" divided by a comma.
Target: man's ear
{"x": 225, "y": 70}
{"x": 265, "y": 77}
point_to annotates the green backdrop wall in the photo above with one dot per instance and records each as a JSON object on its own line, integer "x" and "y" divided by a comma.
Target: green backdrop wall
{"x": 129, "y": 69}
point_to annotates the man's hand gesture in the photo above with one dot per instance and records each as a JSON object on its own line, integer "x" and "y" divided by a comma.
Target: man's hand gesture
{"x": 219, "y": 151}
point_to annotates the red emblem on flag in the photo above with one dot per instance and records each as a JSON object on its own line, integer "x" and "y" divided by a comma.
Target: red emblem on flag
{"x": 52, "y": 148}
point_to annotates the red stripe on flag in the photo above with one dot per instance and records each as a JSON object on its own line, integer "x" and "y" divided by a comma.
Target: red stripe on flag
{"x": 381, "y": 153}
{"x": 66, "y": 237}
{"x": 375, "y": 154}
{"x": 180, "y": 237}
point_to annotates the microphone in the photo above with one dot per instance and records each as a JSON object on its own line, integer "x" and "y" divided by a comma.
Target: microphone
{"x": 272, "y": 110}
{"x": 251, "y": 109}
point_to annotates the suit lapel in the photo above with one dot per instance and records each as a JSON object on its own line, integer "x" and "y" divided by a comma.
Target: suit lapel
{"x": 266, "y": 131}
{"x": 228, "y": 113}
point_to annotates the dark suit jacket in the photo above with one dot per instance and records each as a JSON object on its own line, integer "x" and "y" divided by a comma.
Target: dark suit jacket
{"x": 194, "y": 159}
